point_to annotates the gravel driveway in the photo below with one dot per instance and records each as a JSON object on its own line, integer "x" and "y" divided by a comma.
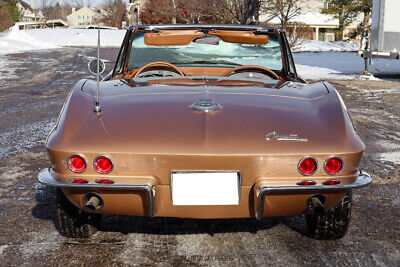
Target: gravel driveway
{"x": 33, "y": 87}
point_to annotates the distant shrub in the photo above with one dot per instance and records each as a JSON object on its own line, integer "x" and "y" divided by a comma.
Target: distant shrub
{"x": 6, "y": 20}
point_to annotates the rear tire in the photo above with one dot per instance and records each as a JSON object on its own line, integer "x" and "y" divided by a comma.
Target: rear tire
{"x": 331, "y": 224}
{"x": 74, "y": 222}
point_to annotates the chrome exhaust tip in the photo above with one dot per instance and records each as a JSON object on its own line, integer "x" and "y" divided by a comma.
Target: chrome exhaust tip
{"x": 92, "y": 202}
{"x": 316, "y": 204}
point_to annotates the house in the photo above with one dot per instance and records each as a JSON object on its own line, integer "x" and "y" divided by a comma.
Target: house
{"x": 29, "y": 14}
{"x": 83, "y": 17}
{"x": 323, "y": 26}
{"x": 326, "y": 29}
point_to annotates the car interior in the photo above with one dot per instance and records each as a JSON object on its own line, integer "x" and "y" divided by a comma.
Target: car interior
{"x": 240, "y": 54}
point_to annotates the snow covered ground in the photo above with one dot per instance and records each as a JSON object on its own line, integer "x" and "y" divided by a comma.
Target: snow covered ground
{"x": 338, "y": 65}
{"x": 318, "y": 46}
{"x": 315, "y": 60}
{"x": 14, "y": 40}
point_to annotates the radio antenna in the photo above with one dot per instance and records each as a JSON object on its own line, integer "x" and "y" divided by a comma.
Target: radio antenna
{"x": 97, "y": 105}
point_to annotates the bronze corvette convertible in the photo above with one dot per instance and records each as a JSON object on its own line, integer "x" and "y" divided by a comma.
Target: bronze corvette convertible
{"x": 204, "y": 121}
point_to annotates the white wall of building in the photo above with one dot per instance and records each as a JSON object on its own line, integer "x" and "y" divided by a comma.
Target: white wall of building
{"x": 82, "y": 17}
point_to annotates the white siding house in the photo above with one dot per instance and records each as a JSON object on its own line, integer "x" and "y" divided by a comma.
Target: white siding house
{"x": 28, "y": 13}
{"x": 323, "y": 25}
{"x": 83, "y": 17}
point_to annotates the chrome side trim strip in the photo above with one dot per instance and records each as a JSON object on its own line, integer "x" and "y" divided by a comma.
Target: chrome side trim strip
{"x": 363, "y": 179}
{"x": 46, "y": 178}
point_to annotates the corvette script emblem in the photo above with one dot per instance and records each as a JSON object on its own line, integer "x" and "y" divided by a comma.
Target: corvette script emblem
{"x": 291, "y": 137}
{"x": 206, "y": 105}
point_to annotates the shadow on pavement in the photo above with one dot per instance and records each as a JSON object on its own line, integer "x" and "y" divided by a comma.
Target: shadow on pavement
{"x": 46, "y": 209}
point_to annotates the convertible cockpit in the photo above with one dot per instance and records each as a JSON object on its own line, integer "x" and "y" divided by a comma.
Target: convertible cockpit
{"x": 182, "y": 52}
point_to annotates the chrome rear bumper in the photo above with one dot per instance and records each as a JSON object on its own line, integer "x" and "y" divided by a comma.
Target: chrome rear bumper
{"x": 46, "y": 178}
{"x": 363, "y": 179}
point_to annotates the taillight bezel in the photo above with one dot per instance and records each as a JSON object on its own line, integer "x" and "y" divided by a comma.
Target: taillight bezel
{"x": 301, "y": 160}
{"x": 326, "y": 161}
{"x": 76, "y": 155}
{"x": 103, "y": 156}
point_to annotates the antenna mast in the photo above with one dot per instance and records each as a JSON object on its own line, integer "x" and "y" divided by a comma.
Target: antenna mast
{"x": 97, "y": 105}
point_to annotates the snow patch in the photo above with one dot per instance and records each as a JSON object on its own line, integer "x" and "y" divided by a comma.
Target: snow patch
{"x": 25, "y": 137}
{"x": 40, "y": 244}
{"x": 315, "y": 73}
{"x": 9, "y": 177}
{"x": 15, "y": 40}
{"x": 393, "y": 157}
{"x": 2, "y": 248}
{"x": 6, "y": 70}
{"x": 320, "y": 46}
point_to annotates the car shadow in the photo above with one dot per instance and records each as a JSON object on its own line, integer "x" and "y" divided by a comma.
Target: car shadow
{"x": 46, "y": 209}
{"x": 46, "y": 205}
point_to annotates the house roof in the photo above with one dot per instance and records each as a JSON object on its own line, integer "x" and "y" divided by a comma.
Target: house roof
{"x": 24, "y": 5}
{"x": 309, "y": 18}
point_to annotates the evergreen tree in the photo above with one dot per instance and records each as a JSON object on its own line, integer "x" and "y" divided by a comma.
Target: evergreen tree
{"x": 11, "y": 7}
{"x": 347, "y": 11}
{"x": 365, "y": 7}
{"x": 9, "y": 14}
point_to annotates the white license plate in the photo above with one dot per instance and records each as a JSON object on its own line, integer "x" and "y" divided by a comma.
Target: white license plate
{"x": 205, "y": 188}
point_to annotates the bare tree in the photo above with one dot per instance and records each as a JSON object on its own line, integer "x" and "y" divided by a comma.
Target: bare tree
{"x": 240, "y": 11}
{"x": 204, "y": 11}
{"x": 284, "y": 10}
{"x": 59, "y": 11}
{"x": 45, "y": 6}
{"x": 114, "y": 13}
{"x": 158, "y": 11}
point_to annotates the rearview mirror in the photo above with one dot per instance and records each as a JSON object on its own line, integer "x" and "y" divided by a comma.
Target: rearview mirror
{"x": 212, "y": 40}
{"x": 93, "y": 66}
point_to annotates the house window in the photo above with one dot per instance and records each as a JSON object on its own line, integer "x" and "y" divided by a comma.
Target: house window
{"x": 88, "y": 17}
{"x": 326, "y": 4}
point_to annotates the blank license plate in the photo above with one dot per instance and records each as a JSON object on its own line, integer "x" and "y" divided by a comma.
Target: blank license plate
{"x": 205, "y": 188}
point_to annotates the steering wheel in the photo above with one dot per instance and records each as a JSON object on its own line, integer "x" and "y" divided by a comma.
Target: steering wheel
{"x": 158, "y": 64}
{"x": 248, "y": 68}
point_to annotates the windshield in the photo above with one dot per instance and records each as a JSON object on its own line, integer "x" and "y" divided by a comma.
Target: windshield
{"x": 208, "y": 54}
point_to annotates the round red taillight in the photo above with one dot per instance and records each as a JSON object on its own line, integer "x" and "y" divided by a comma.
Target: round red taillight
{"x": 332, "y": 182}
{"x": 308, "y": 166}
{"x": 104, "y": 181}
{"x": 103, "y": 165}
{"x": 333, "y": 166}
{"x": 77, "y": 164}
{"x": 307, "y": 182}
{"x": 79, "y": 181}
